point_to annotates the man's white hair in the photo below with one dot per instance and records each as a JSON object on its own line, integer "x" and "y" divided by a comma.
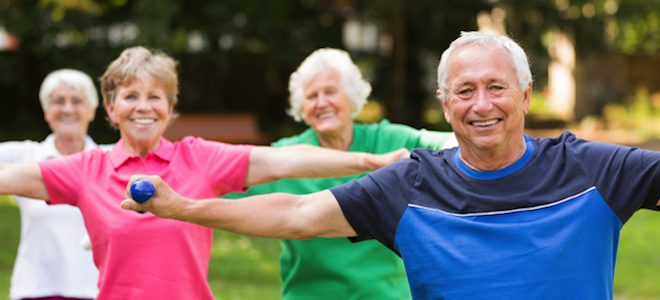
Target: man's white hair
{"x": 518, "y": 57}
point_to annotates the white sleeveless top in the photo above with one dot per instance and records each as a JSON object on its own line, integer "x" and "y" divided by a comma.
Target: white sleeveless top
{"x": 50, "y": 259}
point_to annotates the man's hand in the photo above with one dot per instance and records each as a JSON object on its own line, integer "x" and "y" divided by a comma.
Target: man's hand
{"x": 166, "y": 203}
{"x": 276, "y": 215}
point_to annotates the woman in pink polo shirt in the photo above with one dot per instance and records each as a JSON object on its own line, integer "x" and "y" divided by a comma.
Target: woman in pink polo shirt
{"x": 140, "y": 256}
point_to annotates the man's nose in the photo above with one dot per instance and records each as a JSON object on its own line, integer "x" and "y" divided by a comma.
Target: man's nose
{"x": 482, "y": 102}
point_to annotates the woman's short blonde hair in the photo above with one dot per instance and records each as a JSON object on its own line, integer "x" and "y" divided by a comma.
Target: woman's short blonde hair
{"x": 140, "y": 63}
{"x": 355, "y": 87}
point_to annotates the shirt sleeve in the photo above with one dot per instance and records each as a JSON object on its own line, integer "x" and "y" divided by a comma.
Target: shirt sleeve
{"x": 374, "y": 204}
{"x": 15, "y": 152}
{"x": 628, "y": 178}
{"x": 64, "y": 178}
{"x": 225, "y": 166}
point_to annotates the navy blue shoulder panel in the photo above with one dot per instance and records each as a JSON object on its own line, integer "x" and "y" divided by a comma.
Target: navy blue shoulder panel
{"x": 559, "y": 168}
{"x": 556, "y": 169}
{"x": 375, "y": 203}
{"x": 627, "y": 178}
{"x": 443, "y": 185}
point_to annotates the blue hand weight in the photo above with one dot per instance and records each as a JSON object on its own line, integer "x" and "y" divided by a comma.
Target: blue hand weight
{"x": 142, "y": 190}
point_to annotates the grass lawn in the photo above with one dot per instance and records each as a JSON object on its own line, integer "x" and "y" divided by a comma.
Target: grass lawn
{"x": 247, "y": 268}
{"x": 244, "y": 268}
{"x": 638, "y": 263}
{"x": 9, "y": 234}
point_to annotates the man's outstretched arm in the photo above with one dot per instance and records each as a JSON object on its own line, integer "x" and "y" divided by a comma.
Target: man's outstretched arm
{"x": 277, "y": 215}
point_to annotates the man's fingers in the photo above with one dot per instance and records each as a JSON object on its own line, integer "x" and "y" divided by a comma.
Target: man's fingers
{"x": 130, "y": 204}
{"x": 130, "y": 182}
{"x": 141, "y": 191}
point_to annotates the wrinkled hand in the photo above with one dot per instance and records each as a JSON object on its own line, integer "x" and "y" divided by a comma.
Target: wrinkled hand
{"x": 166, "y": 203}
{"x": 377, "y": 161}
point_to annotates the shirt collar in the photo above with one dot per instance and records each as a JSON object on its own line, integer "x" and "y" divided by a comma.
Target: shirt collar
{"x": 119, "y": 155}
{"x": 496, "y": 174}
{"x": 52, "y": 152}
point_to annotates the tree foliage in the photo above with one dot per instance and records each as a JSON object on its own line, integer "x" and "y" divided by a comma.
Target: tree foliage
{"x": 236, "y": 55}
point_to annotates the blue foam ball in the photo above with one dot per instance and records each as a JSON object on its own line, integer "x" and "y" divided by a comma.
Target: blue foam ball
{"x": 142, "y": 190}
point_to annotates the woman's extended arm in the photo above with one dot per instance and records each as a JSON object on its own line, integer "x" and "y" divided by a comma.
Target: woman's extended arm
{"x": 23, "y": 180}
{"x": 304, "y": 161}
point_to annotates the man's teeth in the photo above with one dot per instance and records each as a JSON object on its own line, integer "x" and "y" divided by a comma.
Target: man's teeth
{"x": 144, "y": 121}
{"x": 484, "y": 123}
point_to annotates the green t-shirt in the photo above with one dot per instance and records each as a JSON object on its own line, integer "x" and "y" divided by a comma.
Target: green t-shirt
{"x": 321, "y": 268}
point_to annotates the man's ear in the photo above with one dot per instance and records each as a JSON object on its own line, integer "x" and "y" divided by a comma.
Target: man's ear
{"x": 527, "y": 97}
{"x": 445, "y": 110}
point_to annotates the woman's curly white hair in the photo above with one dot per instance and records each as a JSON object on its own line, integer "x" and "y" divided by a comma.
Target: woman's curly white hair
{"x": 355, "y": 87}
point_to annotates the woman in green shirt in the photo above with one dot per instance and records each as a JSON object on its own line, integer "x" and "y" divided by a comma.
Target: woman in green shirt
{"x": 326, "y": 92}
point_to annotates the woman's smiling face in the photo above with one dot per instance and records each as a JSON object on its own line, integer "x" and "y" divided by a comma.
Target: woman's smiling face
{"x": 142, "y": 112}
{"x": 326, "y": 107}
{"x": 68, "y": 112}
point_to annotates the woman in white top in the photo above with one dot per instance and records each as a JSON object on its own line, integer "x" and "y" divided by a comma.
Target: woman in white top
{"x": 51, "y": 263}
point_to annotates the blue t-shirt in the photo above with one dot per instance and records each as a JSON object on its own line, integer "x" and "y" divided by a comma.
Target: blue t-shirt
{"x": 546, "y": 227}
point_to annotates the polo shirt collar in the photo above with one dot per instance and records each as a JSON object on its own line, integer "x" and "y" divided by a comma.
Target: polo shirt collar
{"x": 119, "y": 155}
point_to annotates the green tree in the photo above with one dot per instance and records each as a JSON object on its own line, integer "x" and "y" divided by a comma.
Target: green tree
{"x": 236, "y": 55}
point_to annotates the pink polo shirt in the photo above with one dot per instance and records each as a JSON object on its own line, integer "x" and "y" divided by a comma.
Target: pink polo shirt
{"x": 141, "y": 256}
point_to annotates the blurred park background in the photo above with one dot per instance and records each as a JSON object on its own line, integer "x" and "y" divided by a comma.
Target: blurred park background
{"x": 595, "y": 62}
{"x": 595, "y": 65}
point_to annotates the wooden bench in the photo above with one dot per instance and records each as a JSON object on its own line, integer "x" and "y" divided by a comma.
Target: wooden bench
{"x": 235, "y": 128}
